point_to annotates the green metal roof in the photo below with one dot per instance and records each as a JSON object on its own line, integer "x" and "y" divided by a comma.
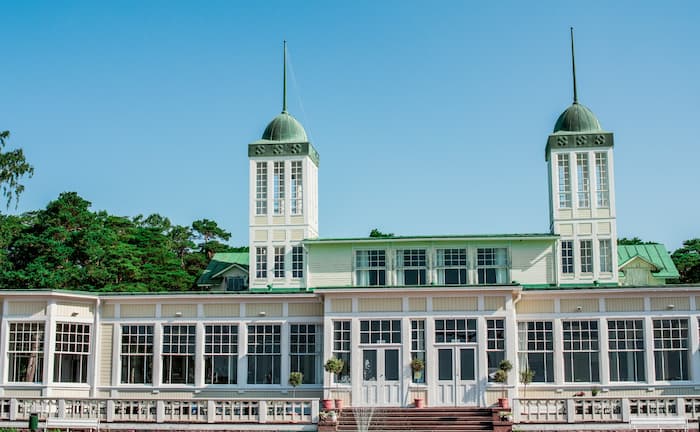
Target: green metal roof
{"x": 535, "y": 236}
{"x": 220, "y": 262}
{"x": 654, "y": 253}
{"x": 286, "y": 128}
{"x": 577, "y": 118}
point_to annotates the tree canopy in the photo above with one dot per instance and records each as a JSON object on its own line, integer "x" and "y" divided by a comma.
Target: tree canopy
{"x": 687, "y": 261}
{"x": 375, "y": 233}
{"x": 13, "y": 166}
{"x": 68, "y": 246}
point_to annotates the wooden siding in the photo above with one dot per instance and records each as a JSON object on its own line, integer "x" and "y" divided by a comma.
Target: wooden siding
{"x": 187, "y": 310}
{"x": 305, "y": 309}
{"x": 494, "y": 303}
{"x": 380, "y": 305}
{"x": 222, "y": 310}
{"x": 341, "y": 305}
{"x": 330, "y": 266}
{"x": 107, "y": 310}
{"x": 270, "y": 309}
{"x": 417, "y": 304}
{"x": 624, "y": 304}
{"x": 585, "y": 305}
{"x": 532, "y": 263}
{"x": 535, "y": 306}
{"x": 105, "y": 355}
{"x": 81, "y": 310}
{"x": 455, "y": 303}
{"x": 662, "y": 303}
{"x": 27, "y": 309}
{"x": 137, "y": 311}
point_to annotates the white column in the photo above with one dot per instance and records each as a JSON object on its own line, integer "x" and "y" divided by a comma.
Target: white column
{"x": 199, "y": 355}
{"x": 50, "y": 348}
{"x": 242, "y": 378}
{"x": 4, "y": 344}
{"x": 356, "y": 360}
{"x": 649, "y": 349}
{"x": 407, "y": 372}
{"x": 558, "y": 336}
{"x": 327, "y": 347}
{"x": 604, "y": 359}
{"x": 157, "y": 354}
{"x": 284, "y": 354}
{"x": 96, "y": 352}
{"x": 694, "y": 334}
{"x": 431, "y": 363}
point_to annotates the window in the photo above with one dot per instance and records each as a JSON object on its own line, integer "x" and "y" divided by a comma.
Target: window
{"x": 26, "y": 352}
{"x": 296, "y": 188}
{"x": 626, "y": 350}
{"x": 495, "y": 344}
{"x": 583, "y": 178}
{"x": 220, "y": 354}
{"x": 278, "y": 188}
{"x": 297, "y": 262}
{"x": 564, "y": 181}
{"x": 605, "y": 255}
{"x": 581, "y": 351}
{"x": 455, "y": 330}
{"x": 418, "y": 349}
{"x": 137, "y": 354}
{"x": 261, "y": 262}
{"x": 380, "y": 331}
{"x": 602, "y": 183}
{"x": 492, "y": 265}
{"x": 279, "y": 261}
{"x": 370, "y": 267}
{"x": 261, "y": 188}
{"x": 264, "y": 354}
{"x": 178, "y": 354}
{"x": 304, "y": 351}
{"x": 235, "y": 283}
{"x": 586, "y": 248}
{"x": 671, "y": 349}
{"x": 341, "y": 349}
{"x": 72, "y": 353}
{"x": 411, "y": 267}
{"x": 567, "y": 256}
{"x": 536, "y": 349}
{"x": 452, "y": 266}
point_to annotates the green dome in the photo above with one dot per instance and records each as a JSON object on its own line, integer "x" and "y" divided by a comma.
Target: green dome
{"x": 284, "y": 127}
{"x": 577, "y": 118}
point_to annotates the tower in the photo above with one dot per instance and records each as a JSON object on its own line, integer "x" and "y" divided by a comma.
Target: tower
{"x": 579, "y": 155}
{"x": 283, "y": 200}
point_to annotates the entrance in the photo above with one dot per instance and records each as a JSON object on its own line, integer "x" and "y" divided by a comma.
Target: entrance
{"x": 381, "y": 373}
{"x": 456, "y": 381}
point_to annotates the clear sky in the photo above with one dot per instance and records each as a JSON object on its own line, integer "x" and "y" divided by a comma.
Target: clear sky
{"x": 430, "y": 117}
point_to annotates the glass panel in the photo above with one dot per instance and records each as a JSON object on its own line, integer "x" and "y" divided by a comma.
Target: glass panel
{"x": 445, "y": 364}
{"x": 369, "y": 360}
{"x": 391, "y": 365}
{"x": 466, "y": 363}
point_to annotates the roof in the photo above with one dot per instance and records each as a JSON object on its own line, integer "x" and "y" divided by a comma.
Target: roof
{"x": 472, "y": 237}
{"x": 653, "y": 253}
{"x": 577, "y": 118}
{"x": 221, "y": 262}
{"x": 286, "y": 128}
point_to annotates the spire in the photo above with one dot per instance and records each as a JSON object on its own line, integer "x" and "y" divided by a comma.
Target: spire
{"x": 573, "y": 65}
{"x": 284, "y": 80}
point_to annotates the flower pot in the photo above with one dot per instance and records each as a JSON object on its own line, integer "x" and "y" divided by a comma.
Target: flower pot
{"x": 503, "y": 403}
{"x": 339, "y": 404}
{"x": 419, "y": 402}
{"x": 328, "y": 404}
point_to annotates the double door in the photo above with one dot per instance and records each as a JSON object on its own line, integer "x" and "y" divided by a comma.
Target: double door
{"x": 456, "y": 376}
{"x": 381, "y": 376}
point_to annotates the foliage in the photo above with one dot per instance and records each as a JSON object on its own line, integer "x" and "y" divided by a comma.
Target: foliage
{"x": 687, "y": 261}
{"x": 632, "y": 241}
{"x": 375, "y": 233}
{"x": 334, "y": 365}
{"x": 501, "y": 375}
{"x": 13, "y": 166}
{"x": 295, "y": 378}
{"x": 417, "y": 364}
{"x": 526, "y": 377}
{"x": 68, "y": 246}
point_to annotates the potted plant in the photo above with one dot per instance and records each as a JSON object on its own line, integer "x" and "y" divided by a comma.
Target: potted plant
{"x": 526, "y": 377}
{"x": 418, "y": 366}
{"x": 295, "y": 379}
{"x": 595, "y": 391}
{"x": 334, "y": 366}
{"x": 501, "y": 376}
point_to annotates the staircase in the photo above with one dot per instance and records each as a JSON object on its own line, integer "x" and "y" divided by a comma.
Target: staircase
{"x": 420, "y": 420}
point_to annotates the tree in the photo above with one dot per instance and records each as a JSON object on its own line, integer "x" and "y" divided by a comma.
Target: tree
{"x": 687, "y": 261}
{"x": 375, "y": 233}
{"x": 632, "y": 241}
{"x": 210, "y": 236}
{"x": 13, "y": 166}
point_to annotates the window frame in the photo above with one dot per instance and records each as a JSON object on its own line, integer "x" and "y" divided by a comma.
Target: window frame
{"x": 452, "y": 260}
{"x": 306, "y": 350}
{"x": 142, "y": 349}
{"x": 487, "y": 260}
{"x": 297, "y": 188}
{"x": 226, "y": 339}
{"x": 169, "y": 356}
{"x": 261, "y": 262}
{"x": 567, "y": 257}
{"x": 564, "y": 181}
{"x": 375, "y": 264}
{"x": 583, "y": 181}
{"x": 342, "y": 349}
{"x": 278, "y": 186}
{"x": 412, "y": 263}
{"x": 585, "y": 249}
{"x": 661, "y": 352}
{"x": 297, "y": 262}
{"x": 20, "y": 353}
{"x": 65, "y": 357}
{"x": 261, "y": 188}
{"x": 587, "y": 344}
{"x": 602, "y": 180}
{"x": 623, "y": 341}
{"x": 268, "y": 343}
{"x": 279, "y": 260}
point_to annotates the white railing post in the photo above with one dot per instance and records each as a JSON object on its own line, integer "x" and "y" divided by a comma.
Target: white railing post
{"x": 625, "y": 410}
{"x": 14, "y": 406}
{"x": 160, "y": 411}
{"x": 314, "y": 411}
{"x": 61, "y": 408}
{"x": 110, "y": 411}
{"x": 262, "y": 411}
{"x": 211, "y": 411}
{"x": 680, "y": 407}
{"x": 516, "y": 410}
{"x": 570, "y": 410}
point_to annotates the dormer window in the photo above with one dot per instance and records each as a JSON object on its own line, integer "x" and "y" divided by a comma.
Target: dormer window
{"x": 452, "y": 266}
{"x": 411, "y": 267}
{"x": 492, "y": 265}
{"x": 370, "y": 267}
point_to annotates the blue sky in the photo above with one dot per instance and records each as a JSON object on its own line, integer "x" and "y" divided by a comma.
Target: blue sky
{"x": 430, "y": 117}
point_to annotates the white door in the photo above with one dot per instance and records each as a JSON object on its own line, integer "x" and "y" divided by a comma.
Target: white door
{"x": 456, "y": 376}
{"x": 381, "y": 377}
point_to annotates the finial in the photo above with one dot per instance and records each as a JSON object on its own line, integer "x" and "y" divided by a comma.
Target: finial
{"x": 284, "y": 80}
{"x": 573, "y": 65}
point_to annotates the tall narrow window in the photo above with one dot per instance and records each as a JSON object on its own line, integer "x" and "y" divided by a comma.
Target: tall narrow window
{"x": 536, "y": 349}
{"x": 452, "y": 266}
{"x": 492, "y": 265}
{"x": 626, "y": 350}
{"x": 220, "y": 354}
{"x": 278, "y": 183}
{"x": 26, "y": 352}
{"x": 411, "y": 267}
{"x": 564, "y": 175}
{"x": 264, "y": 354}
{"x": 605, "y": 255}
{"x": 671, "y": 349}
{"x": 279, "y": 261}
{"x": 418, "y": 348}
{"x": 581, "y": 363}
{"x": 455, "y": 330}
{"x": 261, "y": 262}
{"x": 72, "y": 353}
{"x": 304, "y": 352}
{"x": 137, "y": 354}
{"x": 341, "y": 349}
{"x": 586, "y": 250}
{"x": 370, "y": 267}
{"x": 495, "y": 344}
{"x": 582, "y": 172}
{"x": 178, "y": 354}
{"x": 602, "y": 183}
{"x": 380, "y": 331}
{"x": 261, "y": 188}
{"x": 296, "y": 188}
{"x": 297, "y": 262}
{"x": 567, "y": 256}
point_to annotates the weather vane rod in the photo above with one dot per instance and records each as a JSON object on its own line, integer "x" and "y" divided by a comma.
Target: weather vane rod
{"x": 573, "y": 65}
{"x": 284, "y": 79}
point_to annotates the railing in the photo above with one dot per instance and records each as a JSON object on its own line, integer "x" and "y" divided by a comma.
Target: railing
{"x": 162, "y": 410}
{"x": 604, "y": 409}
